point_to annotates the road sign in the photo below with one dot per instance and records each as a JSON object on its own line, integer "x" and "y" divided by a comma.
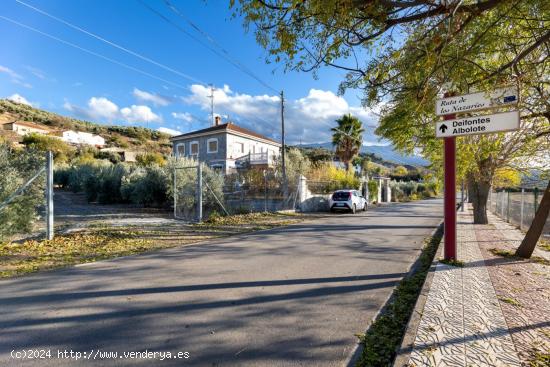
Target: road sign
{"x": 477, "y": 101}
{"x": 498, "y": 122}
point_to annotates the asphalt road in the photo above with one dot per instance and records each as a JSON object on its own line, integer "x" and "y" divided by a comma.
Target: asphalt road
{"x": 291, "y": 296}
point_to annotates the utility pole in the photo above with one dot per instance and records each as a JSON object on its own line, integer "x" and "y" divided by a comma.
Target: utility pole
{"x": 283, "y": 141}
{"x": 211, "y": 96}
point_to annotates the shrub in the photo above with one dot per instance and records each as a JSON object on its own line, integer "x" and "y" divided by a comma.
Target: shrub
{"x": 373, "y": 190}
{"x": 145, "y": 186}
{"x": 412, "y": 190}
{"x": 62, "y": 151}
{"x": 150, "y": 159}
{"x": 17, "y": 167}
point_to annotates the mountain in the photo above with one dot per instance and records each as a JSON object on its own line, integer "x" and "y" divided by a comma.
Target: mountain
{"x": 384, "y": 152}
{"x": 133, "y": 138}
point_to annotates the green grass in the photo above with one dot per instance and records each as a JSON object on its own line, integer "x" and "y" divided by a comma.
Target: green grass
{"x": 510, "y": 254}
{"x": 503, "y": 253}
{"x": 510, "y": 301}
{"x": 453, "y": 262}
{"x": 540, "y": 359}
{"x": 544, "y": 244}
{"x": 383, "y": 338}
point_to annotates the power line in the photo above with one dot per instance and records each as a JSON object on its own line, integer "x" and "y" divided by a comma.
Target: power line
{"x": 113, "y": 44}
{"x": 210, "y": 39}
{"x": 93, "y": 53}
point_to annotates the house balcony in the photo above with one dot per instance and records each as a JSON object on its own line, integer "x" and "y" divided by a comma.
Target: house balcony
{"x": 254, "y": 159}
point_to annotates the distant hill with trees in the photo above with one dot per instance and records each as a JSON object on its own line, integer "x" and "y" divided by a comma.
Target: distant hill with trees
{"x": 130, "y": 137}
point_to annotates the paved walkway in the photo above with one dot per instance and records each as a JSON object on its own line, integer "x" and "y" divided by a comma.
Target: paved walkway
{"x": 462, "y": 322}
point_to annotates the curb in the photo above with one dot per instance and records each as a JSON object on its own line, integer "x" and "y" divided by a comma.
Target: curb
{"x": 417, "y": 312}
{"x": 404, "y": 352}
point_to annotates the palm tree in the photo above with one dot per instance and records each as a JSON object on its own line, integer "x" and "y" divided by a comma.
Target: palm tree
{"x": 347, "y": 137}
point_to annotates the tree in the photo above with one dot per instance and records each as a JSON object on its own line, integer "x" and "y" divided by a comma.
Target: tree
{"x": 405, "y": 53}
{"x": 18, "y": 166}
{"x": 347, "y": 137}
{"x": 400, "y": 171}
{"x": 62, "y": 151}
{"x": 535, "y": 230}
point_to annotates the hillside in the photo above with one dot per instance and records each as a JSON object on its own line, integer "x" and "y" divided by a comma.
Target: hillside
{"x": 384, "y": 155}
{"x": 133, "y": 138}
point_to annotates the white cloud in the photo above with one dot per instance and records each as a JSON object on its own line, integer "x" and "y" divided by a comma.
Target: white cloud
{"x": 19, "y": 99}
{"x": 139, "y": 114}
{"x": 101, "y": 108}
{"x": 15, "y": 78}
{"x": 307, "y": 119}
{"x": 185, "y": 116}
{"x": 169, "y": 131}
{"x": 156, "y": 99}
{"x": 12, "y": 74}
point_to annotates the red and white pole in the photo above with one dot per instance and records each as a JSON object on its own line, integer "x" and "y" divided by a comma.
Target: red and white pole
{"x": 449, "y": 200}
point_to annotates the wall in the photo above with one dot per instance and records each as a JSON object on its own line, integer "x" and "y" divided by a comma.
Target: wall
{"x": 250, "y": 146}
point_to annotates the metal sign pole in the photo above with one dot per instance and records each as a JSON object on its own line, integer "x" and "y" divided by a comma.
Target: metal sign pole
{"x": 449, "y": 204}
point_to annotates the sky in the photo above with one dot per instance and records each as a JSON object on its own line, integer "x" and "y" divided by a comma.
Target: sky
{"x": 159, "y": 74}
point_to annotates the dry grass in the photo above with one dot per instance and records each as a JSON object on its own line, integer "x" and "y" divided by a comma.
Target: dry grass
{"x": 105, "y": 242}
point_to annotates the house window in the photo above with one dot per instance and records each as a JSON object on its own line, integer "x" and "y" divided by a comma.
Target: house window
{"x": 212, "y": 145}
{"x": 180, "y": 150}
{"x": 239, "y": 148}
{"x": 194, "y": 148}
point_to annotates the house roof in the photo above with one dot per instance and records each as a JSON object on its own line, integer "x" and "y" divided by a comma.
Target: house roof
{"x": 28, "y": 124}
{"x": 227, "y": 127}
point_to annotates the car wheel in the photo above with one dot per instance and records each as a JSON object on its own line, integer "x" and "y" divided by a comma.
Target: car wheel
{"x": 353, "y": 209}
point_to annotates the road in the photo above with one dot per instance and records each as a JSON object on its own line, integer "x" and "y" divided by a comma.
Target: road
{"x": 291, "y": 296}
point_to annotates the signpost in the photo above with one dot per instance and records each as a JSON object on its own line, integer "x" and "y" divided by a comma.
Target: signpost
{"x": 477, "y": 101}
{"x": 483, "y": 124}
{"x": 452, "y": 127}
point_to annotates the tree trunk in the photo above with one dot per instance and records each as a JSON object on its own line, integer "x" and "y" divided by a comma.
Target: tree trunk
{"x": 535, "y": 230}
{"x": 469, "y": 183}
{"x": 479, "y": 194}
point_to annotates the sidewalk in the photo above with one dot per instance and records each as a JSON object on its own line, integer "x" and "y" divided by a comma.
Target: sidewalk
{"x": 493, "y": 311}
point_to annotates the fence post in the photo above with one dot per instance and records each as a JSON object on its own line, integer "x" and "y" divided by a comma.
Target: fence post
{"x": 175, "y": 193}
{"x": 536, "y": 200}
{"x": 199, "y": 193}
{"x": 265, "y": 190}
{"x": 508, "y": 207}
{"x": 521, "y": 210}
{"x": 49, "y": 196}
{"x": 462, "y": 197}
{"x": 503, "y": 201}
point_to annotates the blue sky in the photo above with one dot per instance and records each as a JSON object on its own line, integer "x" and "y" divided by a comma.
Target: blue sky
{"x": 49, "y": 74}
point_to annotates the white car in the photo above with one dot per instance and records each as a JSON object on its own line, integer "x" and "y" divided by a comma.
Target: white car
{"x": 349, "y": 200}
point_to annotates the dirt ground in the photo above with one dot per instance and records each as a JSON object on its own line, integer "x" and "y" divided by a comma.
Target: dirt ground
{"x": 89, "y": 232}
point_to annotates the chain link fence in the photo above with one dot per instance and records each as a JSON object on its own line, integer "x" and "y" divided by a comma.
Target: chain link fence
{"x": 199, "y": 192}
{"x": 517, "y": 207}
{"x": 26, "y": 193}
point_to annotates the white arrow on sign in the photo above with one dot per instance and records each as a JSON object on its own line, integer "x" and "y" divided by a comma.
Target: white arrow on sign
{"x": 498, "y": 122}
{"x": 477, "y": 101}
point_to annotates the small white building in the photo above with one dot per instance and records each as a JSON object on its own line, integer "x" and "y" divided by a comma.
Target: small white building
{"x": 23, "y": 128}
{"x": 82, "y": 138}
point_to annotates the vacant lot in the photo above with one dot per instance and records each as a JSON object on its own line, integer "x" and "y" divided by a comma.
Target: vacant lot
{"x": 87, "y": 233}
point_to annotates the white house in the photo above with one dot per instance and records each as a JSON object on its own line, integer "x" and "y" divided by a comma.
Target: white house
{"x": 24, "y": 128}
{"x": 82, "y": 138}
